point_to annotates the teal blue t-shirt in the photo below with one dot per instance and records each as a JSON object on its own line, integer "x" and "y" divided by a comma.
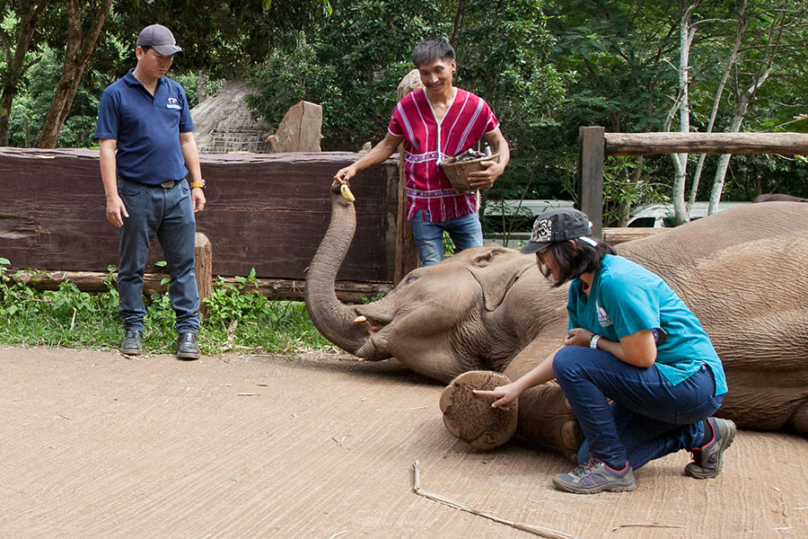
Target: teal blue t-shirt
{"x": 627, "y": 298}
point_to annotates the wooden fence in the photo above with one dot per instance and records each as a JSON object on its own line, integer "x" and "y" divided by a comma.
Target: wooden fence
{"x": 595, "y": 144}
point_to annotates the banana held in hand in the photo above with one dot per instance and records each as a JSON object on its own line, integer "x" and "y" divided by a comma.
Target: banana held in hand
{"x": 360, "y": 319}
{"x": 346, "y": 193}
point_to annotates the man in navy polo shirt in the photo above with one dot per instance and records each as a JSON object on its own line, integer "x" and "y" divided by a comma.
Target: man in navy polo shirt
{"x": 146, "y": 115}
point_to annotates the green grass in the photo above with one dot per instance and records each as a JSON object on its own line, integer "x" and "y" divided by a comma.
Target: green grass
{"x": 240, "y": 319}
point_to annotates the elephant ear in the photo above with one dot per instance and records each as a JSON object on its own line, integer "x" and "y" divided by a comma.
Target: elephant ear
{"x": 497, "y": 271}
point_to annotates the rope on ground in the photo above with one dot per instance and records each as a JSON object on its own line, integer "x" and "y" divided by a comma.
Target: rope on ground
{"x": 535, "y": 530}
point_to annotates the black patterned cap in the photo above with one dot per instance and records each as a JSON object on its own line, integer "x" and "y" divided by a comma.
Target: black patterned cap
{"x": 556, "y": 226}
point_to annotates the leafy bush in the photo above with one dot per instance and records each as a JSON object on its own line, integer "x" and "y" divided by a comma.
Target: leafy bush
{"x": 240, "y": 318}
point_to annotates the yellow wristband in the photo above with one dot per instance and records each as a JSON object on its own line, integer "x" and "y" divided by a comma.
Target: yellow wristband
{"x": 198, "y": 185}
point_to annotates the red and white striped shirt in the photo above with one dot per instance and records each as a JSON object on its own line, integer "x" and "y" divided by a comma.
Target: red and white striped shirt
{"x": 427, "y": 142}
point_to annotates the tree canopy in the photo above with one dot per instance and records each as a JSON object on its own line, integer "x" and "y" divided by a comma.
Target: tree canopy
{"x": 546, "y": 67}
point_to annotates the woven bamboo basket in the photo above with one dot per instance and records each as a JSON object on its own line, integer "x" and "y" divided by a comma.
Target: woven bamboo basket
{"x": 458, "y": 173}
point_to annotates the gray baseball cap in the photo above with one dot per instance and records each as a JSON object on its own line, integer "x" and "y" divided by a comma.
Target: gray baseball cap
{"x": 159, "y": 38}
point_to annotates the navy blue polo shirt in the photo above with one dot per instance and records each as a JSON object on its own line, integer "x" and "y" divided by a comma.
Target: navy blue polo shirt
{"x": 147, "y": 129}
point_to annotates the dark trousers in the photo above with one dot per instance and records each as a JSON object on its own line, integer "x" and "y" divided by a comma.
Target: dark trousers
{"x": 168, "y": 214}
{"x": 648, "y": 418}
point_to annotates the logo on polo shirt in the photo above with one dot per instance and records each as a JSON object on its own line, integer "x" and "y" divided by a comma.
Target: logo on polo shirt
{"x": 173, "y": 103}
{"x": 603, "y": 317}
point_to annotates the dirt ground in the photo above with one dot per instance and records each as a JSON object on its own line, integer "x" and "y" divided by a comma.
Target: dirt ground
{"x": 93, "y": 444}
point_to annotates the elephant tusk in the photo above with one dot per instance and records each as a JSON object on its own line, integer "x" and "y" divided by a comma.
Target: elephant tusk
{"x": 345, "y": 191}
{"x": 360, "y": 319}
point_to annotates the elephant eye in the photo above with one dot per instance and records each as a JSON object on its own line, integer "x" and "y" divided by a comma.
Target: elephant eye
{"x": 409, "y": 279}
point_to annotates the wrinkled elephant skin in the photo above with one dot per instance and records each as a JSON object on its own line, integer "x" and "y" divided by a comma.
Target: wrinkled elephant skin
{"x": 743, "y": 272}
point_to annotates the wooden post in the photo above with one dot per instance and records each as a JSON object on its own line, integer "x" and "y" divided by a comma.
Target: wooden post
{"x": 591, "y": 148}
{"x": 203, "y": 269}
{"x": 406, "y": 251}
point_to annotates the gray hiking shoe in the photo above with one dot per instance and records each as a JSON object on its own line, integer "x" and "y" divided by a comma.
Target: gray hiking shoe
{"x": 132, "y": 344}
{"x": 707, "y": 459}
{"x": 595, "y": 476}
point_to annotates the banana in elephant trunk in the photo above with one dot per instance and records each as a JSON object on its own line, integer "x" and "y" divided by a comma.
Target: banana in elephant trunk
{"x": 334, "y": 320}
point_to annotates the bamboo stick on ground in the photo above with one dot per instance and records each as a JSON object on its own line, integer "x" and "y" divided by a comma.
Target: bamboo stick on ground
{"x": 535, "y": 530}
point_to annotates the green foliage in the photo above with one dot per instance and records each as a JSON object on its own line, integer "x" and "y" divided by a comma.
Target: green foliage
{"x": 221, "y": 38}
{"x": 353, "y": 65}
{"x": 286, "y": 78}
{"x": 448, "y": 244}
{"x": 622, "y": 192}
{"x": 63, "y": 317}
{"x": 546, "y": 67}
{"x": 377, "y": 297}
{"x": 31, "y": 107}
{"x": 229, "y": 302}
{"x": 240, "y": 318}
{"x": 190, "y": 83}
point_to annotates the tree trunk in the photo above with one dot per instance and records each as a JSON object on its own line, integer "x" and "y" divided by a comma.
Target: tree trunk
{"x": 458, "y": 21}
{"x": 723, "y": 162}
{"x": 686, "y": 34}
{"x": 80, "y": 46}
{"x": 202, "y": 86}
{"x": 29, "y": 14}
{"x": 744, "y": 100}
{"x": 733, "y": 57}
{"x": 624, "y": 211}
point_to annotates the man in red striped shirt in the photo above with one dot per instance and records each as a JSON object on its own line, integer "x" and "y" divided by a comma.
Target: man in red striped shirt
{"x": 437, "y": 122}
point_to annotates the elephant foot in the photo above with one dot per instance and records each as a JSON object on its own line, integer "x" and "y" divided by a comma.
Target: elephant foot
{"x": 571, "y": 437}
{"x": 470, "y": 417}
{"x": 547, "y": 420}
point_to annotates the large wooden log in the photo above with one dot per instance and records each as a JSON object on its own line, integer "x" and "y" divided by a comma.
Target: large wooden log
{"x": 710, "y": 143}
{"x": 267, "y": 212}
{"x": 276, "y": 289}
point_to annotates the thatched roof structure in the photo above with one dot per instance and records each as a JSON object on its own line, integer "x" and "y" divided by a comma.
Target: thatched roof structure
{"x": 224, "y": 123}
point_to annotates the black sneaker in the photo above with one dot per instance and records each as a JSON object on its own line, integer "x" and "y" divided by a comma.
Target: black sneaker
{"x": 596, "y": 476}
{"x": 707, "y": 459}
{"x": 132, "y": 344}
{"x": 186, "y": 346}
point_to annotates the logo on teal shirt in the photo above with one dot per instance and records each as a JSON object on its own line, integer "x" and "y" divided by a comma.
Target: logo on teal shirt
{"x": 603, "y": 318}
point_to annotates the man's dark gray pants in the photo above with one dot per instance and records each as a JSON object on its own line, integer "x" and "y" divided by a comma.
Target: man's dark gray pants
{"x": 168, "y": 214}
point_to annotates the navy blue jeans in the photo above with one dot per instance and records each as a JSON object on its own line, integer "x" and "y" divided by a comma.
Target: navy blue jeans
{"x": 465, "y": 232}
{"x": 168, "y": 214}
{"x": 648, "y": 418}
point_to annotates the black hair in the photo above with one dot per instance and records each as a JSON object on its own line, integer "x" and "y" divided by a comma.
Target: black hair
{"x": 431, "y": 50}
{"x": 575, "y": 258}
{"x": 146, "y": 48}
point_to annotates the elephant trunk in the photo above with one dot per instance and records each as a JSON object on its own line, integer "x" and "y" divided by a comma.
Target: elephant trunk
{"x": 333, "y": 319}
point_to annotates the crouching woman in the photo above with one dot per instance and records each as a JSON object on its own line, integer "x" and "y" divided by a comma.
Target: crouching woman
{"x": 637, "y": 368}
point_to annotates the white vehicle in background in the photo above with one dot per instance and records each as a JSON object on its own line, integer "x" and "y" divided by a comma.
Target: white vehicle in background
{"x": 660, "y": 215}
{"x": 514, "y": 219}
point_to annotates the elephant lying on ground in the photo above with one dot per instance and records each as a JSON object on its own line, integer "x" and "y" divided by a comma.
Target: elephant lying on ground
{"x": 778, "y": 197}
{"x": 743, "y": 272}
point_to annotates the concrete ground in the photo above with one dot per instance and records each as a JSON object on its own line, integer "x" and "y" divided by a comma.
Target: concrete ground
{"x": 93, "y": 444}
